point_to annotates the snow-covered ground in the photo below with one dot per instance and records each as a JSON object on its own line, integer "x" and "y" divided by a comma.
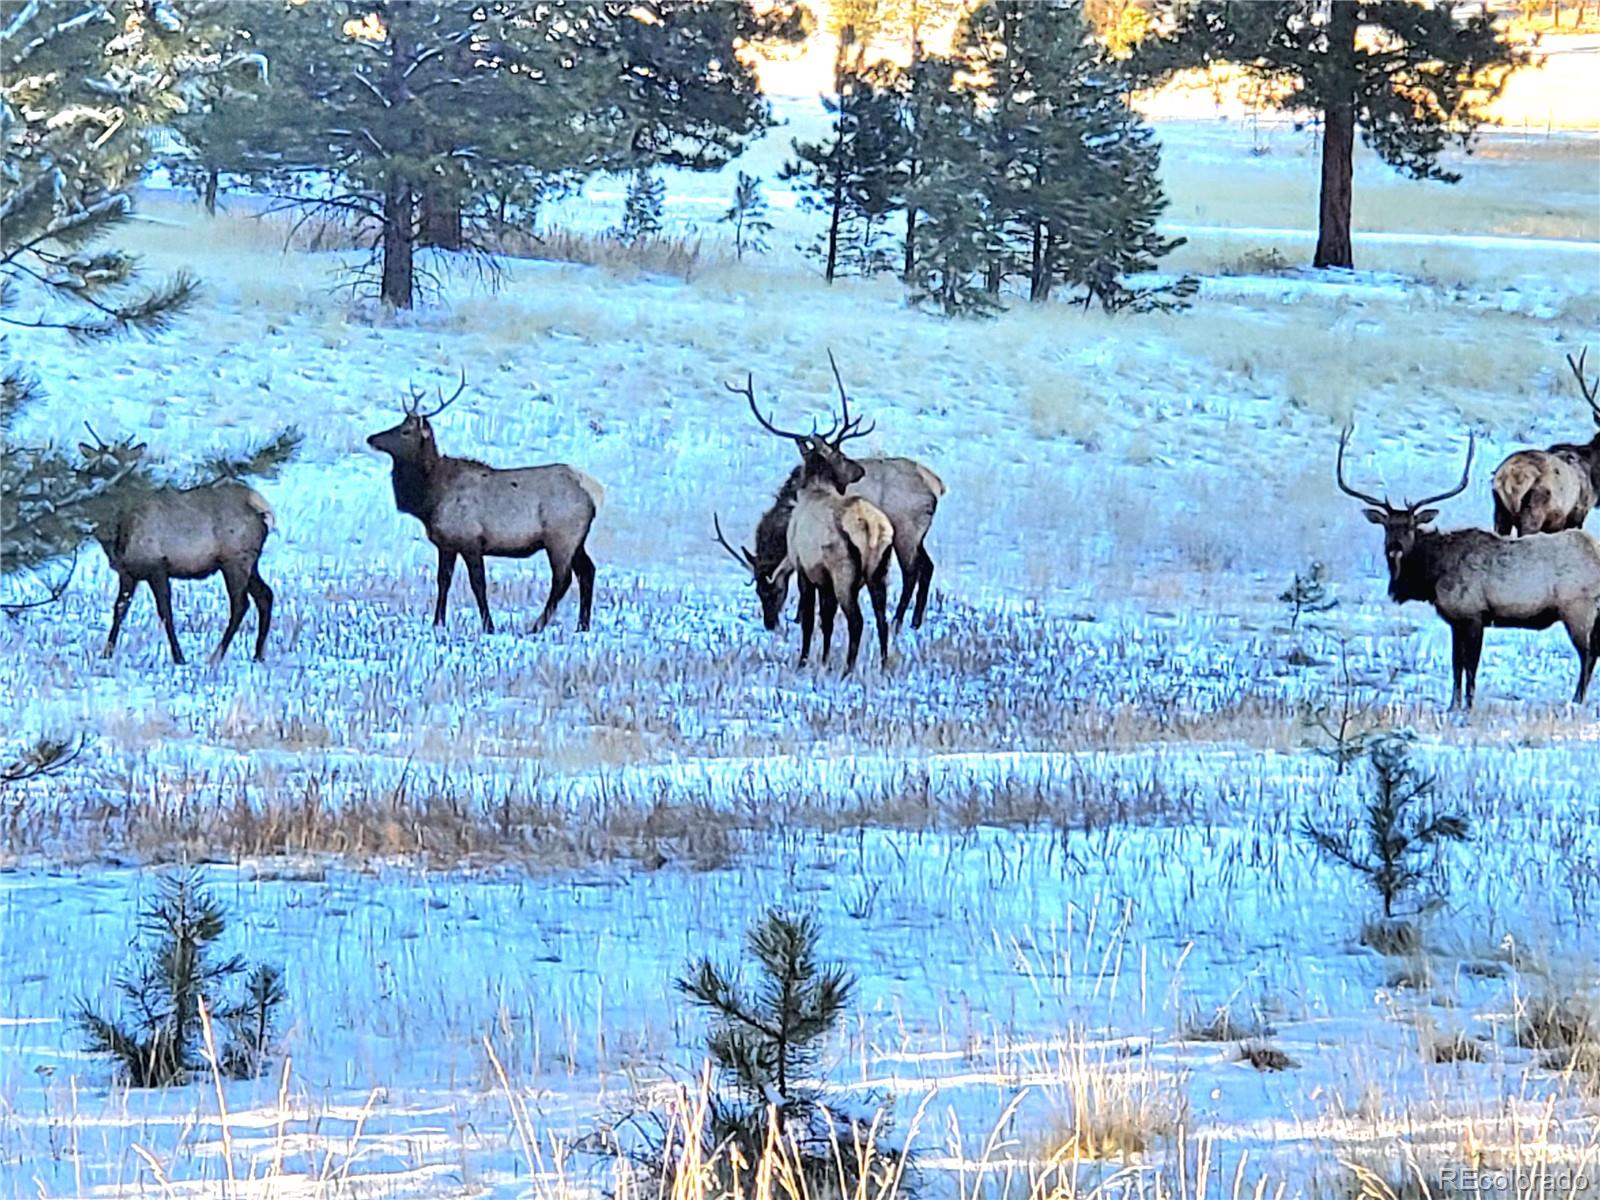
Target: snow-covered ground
{"x": 1056, "y": 830}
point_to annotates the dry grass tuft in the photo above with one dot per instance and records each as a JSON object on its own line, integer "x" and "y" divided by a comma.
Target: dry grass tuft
{"x": 1394, "y": 937}
{"x": 1555, "y": 1022}
{"x": 1222, "y": 1025}
{"x": 1456, "y": 1048}
{"x": 1264, "y": 1056}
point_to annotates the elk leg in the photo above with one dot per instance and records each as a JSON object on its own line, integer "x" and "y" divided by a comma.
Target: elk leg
{"x": 878, "y": 589}
{"x": 119, "y": 609}
{"x": 1467, "y": 649}
{"x": 910, "y": 562}
{"x": 161, "y": 589}
{"x": 480, "y": 589}
{"x": 583, "y": 567}
{"x": 262, "y": 595}
{"x": 1586, "y": 641}
{"x": 854, "y": 620}
{"x": 829, "y": 602}
{"x": 236, "y": 583}
{"x": 560, "y": 581}
{"x": 808, "y": 594}
{"x": 924, "y": 583}
{"x": 447, "y": 571}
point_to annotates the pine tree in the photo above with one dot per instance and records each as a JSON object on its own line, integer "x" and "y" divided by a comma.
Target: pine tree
{"x": 1412, "y": 77}
{"x": 161, "y": 1044}
{"x": 1069, "y": 169}
{"x": 431, "y": 115}
{"x": 748, "y": 216}
{"x": 764, "y": 1043}
{"x": 855, "y": 176}
{"x": 80, "y": 85}
{"x": 958, "y": 235}
{"x": 642, "y": 207}
{"x": 1401, "y": 850}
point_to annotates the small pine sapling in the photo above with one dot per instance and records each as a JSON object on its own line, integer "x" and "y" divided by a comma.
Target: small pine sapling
{"x": 1308, "y": 594}
{"x": 642, "y": 208}
{"x": 1403, "y": 836}
{"x": 764, "y": 1043}
{"x": 748, "y": 216}
{"x": 178, "y": 978}
{"x": 1345, "y": 720}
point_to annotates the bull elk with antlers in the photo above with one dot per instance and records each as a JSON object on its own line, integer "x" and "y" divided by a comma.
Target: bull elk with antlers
{"x": 474, "y": 511}
{"x": 1546, "y": 491}
{"x": 834, "y": 543}
{"x": 187, "y": 533}
{"x": 904, "y": 490}
{"x": 1475, "y": 579}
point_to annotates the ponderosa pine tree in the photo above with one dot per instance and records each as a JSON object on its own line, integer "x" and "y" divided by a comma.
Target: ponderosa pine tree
{"x": 1411, "y": 77}
{"x": 80, "y": 84}
{"x": 748, "y": 216}
{"x": 450, "y": 104}
{"x": 1068, "y": 167}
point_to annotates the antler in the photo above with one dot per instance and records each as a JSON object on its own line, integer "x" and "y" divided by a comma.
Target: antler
{"x": 848, "y": 429}
{"x": 1344, "y": 440}
{"x": 1589, "y": 393}
{"x": 454, "y": 396}
{"x": 412, "y": 406}
{"x": 741, "y": 556}
{"x": 748, "y": 391}
{"x": 1466, "y": 476}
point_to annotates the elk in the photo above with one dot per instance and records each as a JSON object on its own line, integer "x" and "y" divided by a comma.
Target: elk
{"x": 473, "y": 511}
{"x": 1546, "y": 491}
{"x": 193, "y": 533}
{"x": 834, "y": 543}
{"x": 1475, "y": 579}
{"x": 904, "y": 490}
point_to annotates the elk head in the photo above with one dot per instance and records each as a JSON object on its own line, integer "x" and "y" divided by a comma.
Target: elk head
{"x": 1400, "y": 524}
{"x": 821, "y": 454}
{"x": 772, "y": 587}
{"x": 1591, "y": 391}
{"x": 411, "y": 441}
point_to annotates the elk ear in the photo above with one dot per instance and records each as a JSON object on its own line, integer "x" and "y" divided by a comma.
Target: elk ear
{"x": 85, "y": 449}
{"x": 1427, "y": 516}
{"x": 1373, "y": 515}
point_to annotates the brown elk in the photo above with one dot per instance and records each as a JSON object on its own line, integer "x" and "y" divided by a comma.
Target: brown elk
{"x": 904, "y": 490}
{"x": 1545, "y": 491}
{"x": 168, "y": 534}
{"x": 834, "y": 543}
{"x": 1475, "y": 579}
{"x": 473, "y": 511}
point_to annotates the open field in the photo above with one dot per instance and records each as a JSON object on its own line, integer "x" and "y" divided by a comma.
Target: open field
{"x": 1054, "y": 839}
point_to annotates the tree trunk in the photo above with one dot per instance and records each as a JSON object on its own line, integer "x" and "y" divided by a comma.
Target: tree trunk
{"x": 399, "y": 234}
{"x": 910, "y": 267}
{"x": 833, "y": 225}
{"x": 441, "y": 221}
{"x": 1338, "y": 144}
{"x": 1038, "y": 288}
{"x": 208, "y": 195}
{"x": 994, "y": 274}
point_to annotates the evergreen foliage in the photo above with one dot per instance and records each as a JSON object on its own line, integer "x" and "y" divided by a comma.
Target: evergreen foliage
{"x": 855, "y": 176}
{"x": 748, "y": 216}
{"x": 1071, "y": 173}
{"x": 1412, "y": 77}
{"x": 1308, "y": 594}
{"x": 764, "y": 1042}
{"x": 161, "y": 1044}
{"x": 1401, "y": 839}
{"x": 642, "y": 207}
{"x": 463, "y": 108}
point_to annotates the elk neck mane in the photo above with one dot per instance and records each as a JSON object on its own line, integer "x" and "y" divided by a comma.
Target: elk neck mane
{"x": 772, "y": 533}
{"x": 1433, "y": 555}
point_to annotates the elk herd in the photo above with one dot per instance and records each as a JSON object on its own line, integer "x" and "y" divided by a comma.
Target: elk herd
{"x": 835, "y": 522}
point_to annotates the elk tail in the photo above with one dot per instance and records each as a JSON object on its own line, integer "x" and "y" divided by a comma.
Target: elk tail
{"x": 932, "y": 481}
{"x": 591, "y": 487}
{"x": 258, "y": 502}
